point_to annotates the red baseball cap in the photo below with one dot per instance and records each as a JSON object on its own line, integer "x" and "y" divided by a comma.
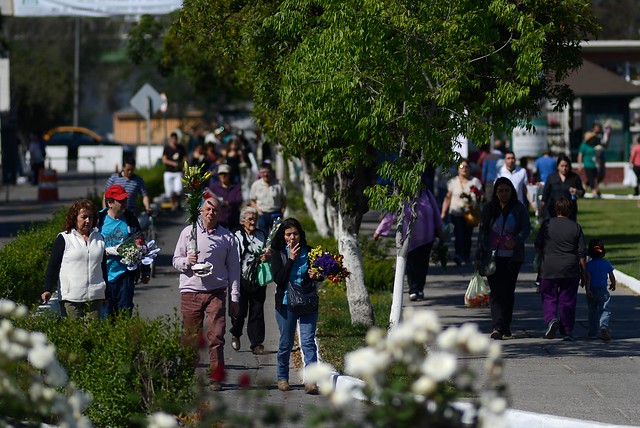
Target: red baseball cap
{"x": 116, "y": 192}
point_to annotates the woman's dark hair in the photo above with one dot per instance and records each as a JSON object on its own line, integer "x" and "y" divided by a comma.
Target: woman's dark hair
{"x": 278, "y": 243}
{"x": 563, "y": 157}
{"x": 72, "y": 214}
{"x": 496, "y": 209}
{"x": 563, "y": 207}
{"x": 596, "y": 249}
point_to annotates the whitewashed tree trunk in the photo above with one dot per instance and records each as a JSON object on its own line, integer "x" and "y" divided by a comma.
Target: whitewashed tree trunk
{"x": 315, "y": 200}
{"x": 293, "y": 171}
{"x": 402, "y": 245}
{"x": 398, "y": 286}
{"x": 279, "y": 166}
{"x": 360, "y": 307}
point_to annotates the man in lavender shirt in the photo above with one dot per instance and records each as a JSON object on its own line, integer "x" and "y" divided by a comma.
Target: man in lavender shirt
{"x": 200, "y": 295}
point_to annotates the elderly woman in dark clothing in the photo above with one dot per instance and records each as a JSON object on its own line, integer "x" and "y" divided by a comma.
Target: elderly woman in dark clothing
{"x": 560, "y": 244}
{"x": 562, "y": 183}
{"x": 504, "y": 228}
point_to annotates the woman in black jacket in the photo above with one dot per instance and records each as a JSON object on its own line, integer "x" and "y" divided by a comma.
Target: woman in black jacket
{"x": 504, "y": 228}
{"x": 290, "y": 264}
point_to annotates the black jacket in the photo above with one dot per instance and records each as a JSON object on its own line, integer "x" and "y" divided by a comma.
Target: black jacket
{"x": 281, "y": 266}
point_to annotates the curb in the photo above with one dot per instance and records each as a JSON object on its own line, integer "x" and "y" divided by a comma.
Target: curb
{"x": 513, "y": 418}
{"x": 628, "y": 281}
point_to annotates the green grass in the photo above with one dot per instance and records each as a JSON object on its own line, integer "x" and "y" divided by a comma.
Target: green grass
{"x": 616, "y": 223}
{"x": 336, "y": 335}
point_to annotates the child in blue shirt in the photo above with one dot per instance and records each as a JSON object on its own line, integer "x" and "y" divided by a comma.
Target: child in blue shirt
{"x": 598, "y": 270}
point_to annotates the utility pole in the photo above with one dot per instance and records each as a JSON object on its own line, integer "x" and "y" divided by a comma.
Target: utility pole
{"x": 76, "y": 74}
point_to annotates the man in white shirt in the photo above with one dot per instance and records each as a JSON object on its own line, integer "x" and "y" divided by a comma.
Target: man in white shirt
{"x": 517, "y": 175}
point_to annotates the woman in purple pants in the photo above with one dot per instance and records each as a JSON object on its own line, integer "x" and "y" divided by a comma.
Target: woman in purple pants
{"x": 560, "y": 245}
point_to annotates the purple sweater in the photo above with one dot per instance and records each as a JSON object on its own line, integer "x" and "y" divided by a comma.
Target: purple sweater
{"x": 425, "y": 226}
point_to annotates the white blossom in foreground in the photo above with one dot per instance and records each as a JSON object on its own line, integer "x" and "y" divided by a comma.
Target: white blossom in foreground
{"x": 161, "y": 420}
{"x": 412, "y": 371}
{"x": 322, "y": 375}
{"x": 26, "y": 355}
{"x": 440, "y": 366}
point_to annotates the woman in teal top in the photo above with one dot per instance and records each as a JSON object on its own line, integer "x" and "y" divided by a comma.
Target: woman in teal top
{"x": 587, "y": 160}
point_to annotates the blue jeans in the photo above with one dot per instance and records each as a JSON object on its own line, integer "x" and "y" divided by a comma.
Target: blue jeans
{"x": 119, "y": 294}
{"x": 598, "y": 308}
{"x": 287, "y": 325}
{"x": 265, "y": 221}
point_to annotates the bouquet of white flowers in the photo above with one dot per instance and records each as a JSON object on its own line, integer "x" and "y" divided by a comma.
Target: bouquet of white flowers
{"x": 135, "y": 251}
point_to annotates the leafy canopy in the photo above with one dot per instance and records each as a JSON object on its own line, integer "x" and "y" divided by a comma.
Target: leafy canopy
{"x": 345, "y": 84}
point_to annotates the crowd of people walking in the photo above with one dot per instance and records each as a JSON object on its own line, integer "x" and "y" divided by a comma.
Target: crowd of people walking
{"x": 234, "y": 234}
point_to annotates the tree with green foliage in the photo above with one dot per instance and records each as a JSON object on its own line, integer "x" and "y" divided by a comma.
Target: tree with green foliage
{"x": 344, "y": 84}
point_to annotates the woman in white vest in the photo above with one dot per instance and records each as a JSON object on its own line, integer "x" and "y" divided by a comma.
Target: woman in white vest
{"x": 77, "y": 266}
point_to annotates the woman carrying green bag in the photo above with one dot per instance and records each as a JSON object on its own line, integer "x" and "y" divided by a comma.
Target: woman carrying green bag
{"x": 251, "y": 245}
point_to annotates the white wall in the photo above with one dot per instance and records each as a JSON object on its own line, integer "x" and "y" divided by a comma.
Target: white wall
{"x": 57, "y": 158}
{"x": 142, "y": 155}
{"x": 106, "y": 158}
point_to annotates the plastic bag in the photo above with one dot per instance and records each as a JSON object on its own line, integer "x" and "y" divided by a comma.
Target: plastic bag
{"x": 264, "y": 273}
{"x": 477, "y": 294}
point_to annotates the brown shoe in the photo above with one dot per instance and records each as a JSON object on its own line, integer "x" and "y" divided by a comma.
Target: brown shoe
{"x": 283, "y": 385}
{"x": 215, "y": 386}
{"x": 258, "y": 350}
{"x": 311, "y": 389}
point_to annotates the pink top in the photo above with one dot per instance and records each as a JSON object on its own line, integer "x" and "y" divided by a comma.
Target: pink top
{"x": 635, "y": 155}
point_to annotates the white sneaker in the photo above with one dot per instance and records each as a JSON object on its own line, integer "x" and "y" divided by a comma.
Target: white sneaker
{"x": 413, "y": 297}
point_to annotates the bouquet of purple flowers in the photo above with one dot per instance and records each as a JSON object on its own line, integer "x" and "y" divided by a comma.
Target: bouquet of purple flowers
{"x": 326, "y": 265}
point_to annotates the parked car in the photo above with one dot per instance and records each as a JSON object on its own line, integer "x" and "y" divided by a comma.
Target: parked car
{"x": 75, "y": 136}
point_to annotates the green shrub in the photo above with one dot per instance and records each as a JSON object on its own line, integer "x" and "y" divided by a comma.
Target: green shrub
{"x": 152, "y": 179}
{"x": 131, "y": 366}
{"x": 23, "y": 261}
{"x": 379, "y": 274}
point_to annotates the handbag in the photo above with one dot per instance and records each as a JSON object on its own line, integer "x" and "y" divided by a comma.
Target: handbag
{"x": 471, "y": 216}
{"x": 487, "y": 263}
{"x": 264, "y": 273}
{"x": 302, "y": 300}
{"x": 477, "y": 294}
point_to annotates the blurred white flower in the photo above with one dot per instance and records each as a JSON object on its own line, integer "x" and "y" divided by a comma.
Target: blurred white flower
{"x": 478, "y": 344}
{"x": 40, "y": 356}
{"x": 375, "y": 335}
{"x": 341, "y": 397}
{"x": 426, "y": 320}
{"x": 424, "y": 386}
{"x": 440, "y": 366}
{"x": 15, "y": 351}
{"x": 322, "y": 375}
{"x": 400, "y": 337}
{"x": 448, "y": 339}
{"x": 366, "y": 362}
{"x": 161, "y": 420}
{"x": 495, "y": 350}
{"x": 21, "y": 336}
{"x": 7, "y": 307}
{"x": 21, "y": 311}
{"x": 56, "y": 374}
{"x": 38, "y": 338}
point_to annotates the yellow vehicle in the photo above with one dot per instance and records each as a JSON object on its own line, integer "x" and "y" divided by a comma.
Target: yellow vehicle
{"x": 75, "y": 136}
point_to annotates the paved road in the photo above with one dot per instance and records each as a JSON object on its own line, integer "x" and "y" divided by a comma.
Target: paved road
{"x": 584, "y": 379}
